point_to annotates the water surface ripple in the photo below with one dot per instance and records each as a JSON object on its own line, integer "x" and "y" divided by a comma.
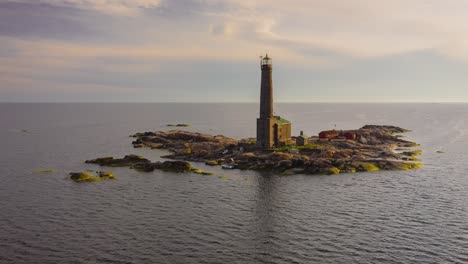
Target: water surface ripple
{"x": 244, "y": 217}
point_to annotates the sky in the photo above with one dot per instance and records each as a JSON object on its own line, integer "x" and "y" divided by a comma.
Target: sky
{"x": 208, "y": 50}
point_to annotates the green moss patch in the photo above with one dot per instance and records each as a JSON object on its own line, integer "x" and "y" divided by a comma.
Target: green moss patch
{"x": 397, "y": 165}
{"x": 289, "y": 172}
{"x": 199, "y": 171}
{"x": 87, "y": 177}
{"x": 212, "y": 162}
{"x": 333, "y": 170}
{"x": 411, "y": 166}
{"x": 106, "y": 175}
{"x": 44, "y": 171}
{"x": 82, "y": 177}
{"x": 365, "y": 166}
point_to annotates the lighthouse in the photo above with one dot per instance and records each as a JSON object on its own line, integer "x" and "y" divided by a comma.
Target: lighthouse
{"x": 272, "y": 131}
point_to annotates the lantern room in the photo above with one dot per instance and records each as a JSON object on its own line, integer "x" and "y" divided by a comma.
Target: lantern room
{"x": 265, "y": 60}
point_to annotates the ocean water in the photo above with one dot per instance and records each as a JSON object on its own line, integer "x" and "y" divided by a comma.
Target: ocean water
{"x": 418, "y": 216}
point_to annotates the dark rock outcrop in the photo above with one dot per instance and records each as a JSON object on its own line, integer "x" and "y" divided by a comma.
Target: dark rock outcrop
{"x": 128, "y": 160}
{"x": 173, "y": 166}
{"x": 143, "y": 164}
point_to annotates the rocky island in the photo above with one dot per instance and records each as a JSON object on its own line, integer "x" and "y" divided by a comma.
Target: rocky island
{"x": 369, "y": 148}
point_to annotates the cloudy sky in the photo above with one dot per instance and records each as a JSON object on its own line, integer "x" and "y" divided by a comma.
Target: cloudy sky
{"x": 207, "y": 50}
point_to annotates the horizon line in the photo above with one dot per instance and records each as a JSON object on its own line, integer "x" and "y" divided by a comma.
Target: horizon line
{"x": 233, "y": 102}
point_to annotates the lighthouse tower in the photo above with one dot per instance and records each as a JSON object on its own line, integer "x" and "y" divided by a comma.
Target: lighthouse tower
{"x": 266, "y": 122}
{"x": 271, "y": 130}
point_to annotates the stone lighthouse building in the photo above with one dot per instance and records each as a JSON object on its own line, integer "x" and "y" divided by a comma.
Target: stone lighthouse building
{"x": 272, "y": 131}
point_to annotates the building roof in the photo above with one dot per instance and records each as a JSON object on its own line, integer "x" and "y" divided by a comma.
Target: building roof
{"x": 281, "y": 121}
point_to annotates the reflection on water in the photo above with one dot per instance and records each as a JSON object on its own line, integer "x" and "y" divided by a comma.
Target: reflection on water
{"x": 265, "y": 204}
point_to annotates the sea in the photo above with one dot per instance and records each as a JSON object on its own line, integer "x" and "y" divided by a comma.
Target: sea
{"x": 416, "y": 216}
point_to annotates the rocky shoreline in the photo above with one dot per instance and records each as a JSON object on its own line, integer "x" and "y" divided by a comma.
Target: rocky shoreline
{"x": 375, "y": 148}
{"x": 142, "y": 164}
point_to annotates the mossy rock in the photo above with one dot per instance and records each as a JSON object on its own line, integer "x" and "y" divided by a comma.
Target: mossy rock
{"x": 83, "y": 177}
{"x": 143, "y": 167}
{"x": 409, "y": 165}
{"x": 43, "y": 171}
{"x": 174, "y": 166}
{"x": 86, "y": 177}
{"x": 365, "y": 166}
{"x": 212, "y": 162}
{"x": 398, "y": 165}
{"x": 416, "y": 165}
{"x": 340, "y": 164}
{"x": 289, "y": 172}
{"x": 409, "y": 158}
{"x": 199, "y": 171}
{"x": 348, "y": 169}
{"x": 137, "y": 135}
{"x": 333, "y": 170}
{"x": 106, "y": 174}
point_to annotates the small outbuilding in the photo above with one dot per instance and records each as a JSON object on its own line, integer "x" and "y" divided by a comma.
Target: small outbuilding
{"x": 350, "y": 135}
{"x": 328, "y": 134}
{"x": 301, "y": 140}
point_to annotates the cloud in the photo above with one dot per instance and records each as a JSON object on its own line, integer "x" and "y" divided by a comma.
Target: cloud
{"x": 226, "y": 29}
{"x": 358, "y": 28}
{"x": 113, "y": 7}
{"x": 43, "y": 51}
{"x": 44, "y": 21}
{"x": 116, "y": 43}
